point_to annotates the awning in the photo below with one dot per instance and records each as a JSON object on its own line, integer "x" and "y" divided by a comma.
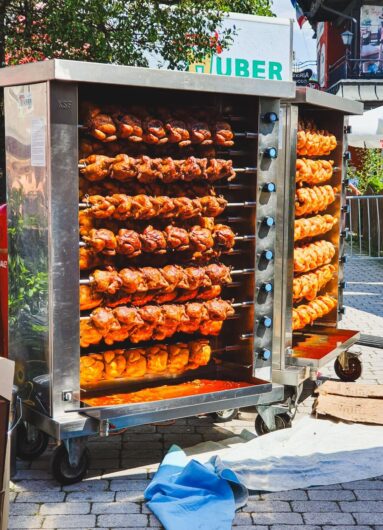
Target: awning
{"x": 370, "y": 91}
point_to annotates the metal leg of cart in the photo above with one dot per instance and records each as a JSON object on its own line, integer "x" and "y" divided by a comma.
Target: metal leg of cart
{"x": 278, "y": 416}
{"x": 70, "y": 460}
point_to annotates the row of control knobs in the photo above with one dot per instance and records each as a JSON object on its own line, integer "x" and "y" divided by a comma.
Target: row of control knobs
{"x": 267, "y": 255}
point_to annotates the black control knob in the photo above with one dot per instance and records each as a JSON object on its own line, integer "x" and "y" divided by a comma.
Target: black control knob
{"x": 264, "y": 354}
{"x": 343, "y": 259}
{"x": 346, "y": 208}
{"x": 346, "y": 181}
{"x": 266, "y": 321}
{"x": 266, "y": 287}
{"x": 268, "y": 221}
{"x": 342, "y": 310}
{"x": 267, "y": 255}
{"x": 271, "y": 152}
{"x": 347, "y": 129}
{"x": 344, "y": 232}
{"x": 342, "y": 284}
{"x": 269, "y": 187}
{"x": 347, "y": 155}
{"x": 270, "y": 117}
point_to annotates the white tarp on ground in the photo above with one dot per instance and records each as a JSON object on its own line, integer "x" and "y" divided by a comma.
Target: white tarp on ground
{"x": 367, "y": 130}
{"x": 313, "y": 452}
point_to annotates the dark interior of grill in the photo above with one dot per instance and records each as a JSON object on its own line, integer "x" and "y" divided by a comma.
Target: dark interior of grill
{"x": 232, "y": 354}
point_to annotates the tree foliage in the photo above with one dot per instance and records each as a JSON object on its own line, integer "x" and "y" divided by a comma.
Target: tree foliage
{"x": 119, "y": 31}
{"x": 370, "y": 174}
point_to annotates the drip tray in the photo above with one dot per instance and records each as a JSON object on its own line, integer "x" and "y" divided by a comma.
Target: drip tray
{"x": 178, "y": 398}
{"x": 321, "y": 345}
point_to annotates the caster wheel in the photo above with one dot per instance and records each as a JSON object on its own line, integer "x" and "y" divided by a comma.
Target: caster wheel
{"x": 282, "y": 421}
{"x": 61, "y": 469}
{"x": 352, "y": 373}
{"x": 224, "y": 415}
{"x": 32, "y": 447}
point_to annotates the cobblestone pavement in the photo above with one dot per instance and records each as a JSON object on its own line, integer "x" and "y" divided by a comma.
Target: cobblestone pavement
{"x": 111, "y": 497}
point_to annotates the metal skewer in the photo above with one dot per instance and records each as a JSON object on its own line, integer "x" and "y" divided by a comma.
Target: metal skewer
{"x": 237, "y": 238}
{"x": 88, "y": 281}
{"x": 244, "y": 204}
{"x": 242, "y": 271}
{"x": 243, "y": 304}
{"x": 248, "y": 135}
{"x": 245, "y": 238}
{"x": 236, "y": 169}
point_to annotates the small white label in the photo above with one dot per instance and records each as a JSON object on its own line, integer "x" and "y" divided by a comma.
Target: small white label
{"x": 38, "y": 135}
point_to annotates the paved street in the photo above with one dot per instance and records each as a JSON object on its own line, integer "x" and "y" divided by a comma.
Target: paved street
{"x": 121, "y": 465}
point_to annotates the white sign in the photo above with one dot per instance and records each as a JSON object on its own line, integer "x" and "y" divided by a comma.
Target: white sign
{"x": 38, "y": 137}
{"x": 261, "y": 49}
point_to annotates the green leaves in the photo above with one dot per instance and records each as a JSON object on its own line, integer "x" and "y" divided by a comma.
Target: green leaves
{"x": 370, "y": 174}
{"x": 120, "y": 31}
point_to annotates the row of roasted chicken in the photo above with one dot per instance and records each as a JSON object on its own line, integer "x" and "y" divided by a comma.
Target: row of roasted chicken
{"x": 146, "y": 170}
{"x": 199, "y": 240}
{"x": 153, "y": 322}
{"x": 305, "y": 286}
{"x": 182, "y": 127}
{"x": 314, "y": 142}
{"x": 173, "y": 283}
{"x": 145, "y": 207}
{"x": 136, "y": 363}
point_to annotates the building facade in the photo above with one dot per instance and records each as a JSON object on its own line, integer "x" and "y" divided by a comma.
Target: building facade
{"x": 349, "y": 47}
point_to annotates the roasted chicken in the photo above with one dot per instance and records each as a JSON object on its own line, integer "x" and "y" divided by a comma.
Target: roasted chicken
{"x": 89, "y": 259}
{"x": 152, "y": 322}
{"x": 313, "y": 172}
{"x": 142, "y": 207}
{"x": 100, "y": 125}
{"x": 97, "y": 167}
{"x": 304, "y": 315}
{"x": 136, "y": 363}
{"x": 90, "y": 299}
{"x": 162, "y": 280}
{"x": 313, "y": 226}
{"x": 131, "y": 243}
{"x": 125, "y": 168}
{"x": 313, "y": 200}
{"x": 313, "y": 255}
{"x": 308, "y": 285}
{"x": 222, "y": 134}
{"x": 313, "y": 142}
{"x": 137, "y": 125}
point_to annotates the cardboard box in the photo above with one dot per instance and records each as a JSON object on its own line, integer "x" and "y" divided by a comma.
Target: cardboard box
{"x": 351, "y": 402}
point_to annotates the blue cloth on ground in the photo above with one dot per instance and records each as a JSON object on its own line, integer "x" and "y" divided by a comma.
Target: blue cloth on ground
{"x": 193, "y": 496}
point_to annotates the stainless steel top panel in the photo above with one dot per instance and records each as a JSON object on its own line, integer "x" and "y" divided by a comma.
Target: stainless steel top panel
{"x": 111, "y": 74}
{"x": 329, "y": 101}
